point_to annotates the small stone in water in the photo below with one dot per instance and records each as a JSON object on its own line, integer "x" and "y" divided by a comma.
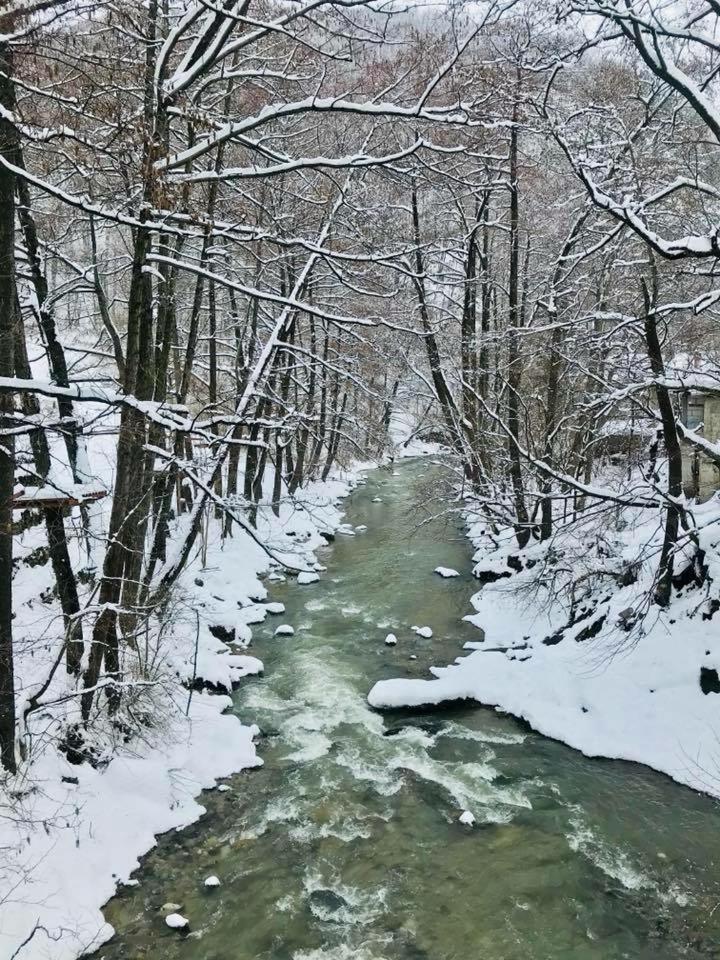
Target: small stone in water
{"x": 284, "y": 630}
{"x": 413, "y": 656}
{"x": 177, "y": 922}
{"x": 391, "y": 639}
{"x": 328, "y": 899}
{"x": 223, "y": 788}
{"x": 361, "y": 527}
{"x": 377, "y": 499}
{"x": 171, "y": 907}
{"x": 425, "y": 632}
{"x": 275, "y": 607}
{"x": 307, "y": 576}
{"x": 467, "y": 818}
{"x": 212, "y": 881}
{"x": 446, "y": 572}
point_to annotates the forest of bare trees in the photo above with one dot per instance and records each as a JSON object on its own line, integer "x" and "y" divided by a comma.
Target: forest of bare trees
{"x": 238, "y": 238}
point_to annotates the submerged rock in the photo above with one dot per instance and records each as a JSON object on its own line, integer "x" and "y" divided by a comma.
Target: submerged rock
{"x": 426, "y": 724}
{"x": 327, "y": 900}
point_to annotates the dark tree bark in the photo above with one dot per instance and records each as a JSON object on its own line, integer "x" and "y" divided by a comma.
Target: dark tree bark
{"x": 514, "y": 356}
{"x": 53, "y": 516}
{"x": 7, "y": 448}
{"x": 554, "y": 371}
{"x": 672, "y": 447}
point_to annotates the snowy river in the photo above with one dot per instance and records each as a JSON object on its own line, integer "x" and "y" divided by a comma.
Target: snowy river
{"x": 346, "y": 845}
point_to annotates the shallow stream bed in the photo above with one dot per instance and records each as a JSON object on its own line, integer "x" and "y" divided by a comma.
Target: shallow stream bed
{"x": 346, "y": 845}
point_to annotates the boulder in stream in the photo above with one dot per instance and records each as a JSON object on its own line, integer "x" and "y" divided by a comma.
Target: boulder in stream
{"x": 176, "y": 921}
{"x": 306, "y": 577}
{"x": 284, "y": 630}
{"x": 326, "y": 902}
{"x": 391, "y": 639}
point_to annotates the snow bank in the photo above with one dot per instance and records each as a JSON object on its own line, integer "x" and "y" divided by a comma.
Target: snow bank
{"x": 71, "y": 835}
{"x": 608, "y": 677}
{"x": 99, "y": 827}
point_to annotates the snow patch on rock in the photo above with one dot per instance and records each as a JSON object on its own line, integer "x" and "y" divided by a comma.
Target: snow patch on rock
{"x": 306, "y": 577}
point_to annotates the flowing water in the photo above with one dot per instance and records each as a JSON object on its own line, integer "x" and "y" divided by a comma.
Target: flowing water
{"x": 346, "y": 845}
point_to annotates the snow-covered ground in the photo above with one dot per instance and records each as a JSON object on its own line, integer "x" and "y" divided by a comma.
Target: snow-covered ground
{"x": 597, "y": 666}
{"x": 71, "y": 834}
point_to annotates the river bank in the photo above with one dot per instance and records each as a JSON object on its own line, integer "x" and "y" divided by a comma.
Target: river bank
{"x": 335, "y": 847}
{"x": 568, "y": 665}
{"x": 87, "y": 827}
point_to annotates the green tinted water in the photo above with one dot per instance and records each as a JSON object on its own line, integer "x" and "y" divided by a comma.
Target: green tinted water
{"x": 346, "y": 844}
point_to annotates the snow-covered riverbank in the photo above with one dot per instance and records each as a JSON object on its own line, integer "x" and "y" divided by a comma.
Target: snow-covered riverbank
{"x": 71, "y": 834}
{"x": 604, "y": 672}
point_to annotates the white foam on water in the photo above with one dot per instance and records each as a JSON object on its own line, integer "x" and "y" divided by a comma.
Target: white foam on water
{"x": 342, "y": 951}
{"x": 459, "y": 732}
{"x": 414, "y": 736}
{"x": 384, "y": 779}
{"x": 613, "y": 863}
{"x": 347, "y": 832}
{"x": 311, "y": 746}
{"x": 279, "y": 810}
{"x": 350, "y": 610}
{"x": 616, "y": 864}
{"x": 360, "y": 906}
{"x": 314, "y": 605}
{"x": 468, "y": 784}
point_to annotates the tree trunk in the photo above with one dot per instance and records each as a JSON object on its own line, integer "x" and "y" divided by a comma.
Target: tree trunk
{"x": 7, "y": 447}
{"x": 54, "y": 523}
{"x": 514, "y": 357}
{"x": 674, "y": 453}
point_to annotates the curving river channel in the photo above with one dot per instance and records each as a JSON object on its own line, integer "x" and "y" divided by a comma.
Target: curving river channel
{"x": 346, "y": 845}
